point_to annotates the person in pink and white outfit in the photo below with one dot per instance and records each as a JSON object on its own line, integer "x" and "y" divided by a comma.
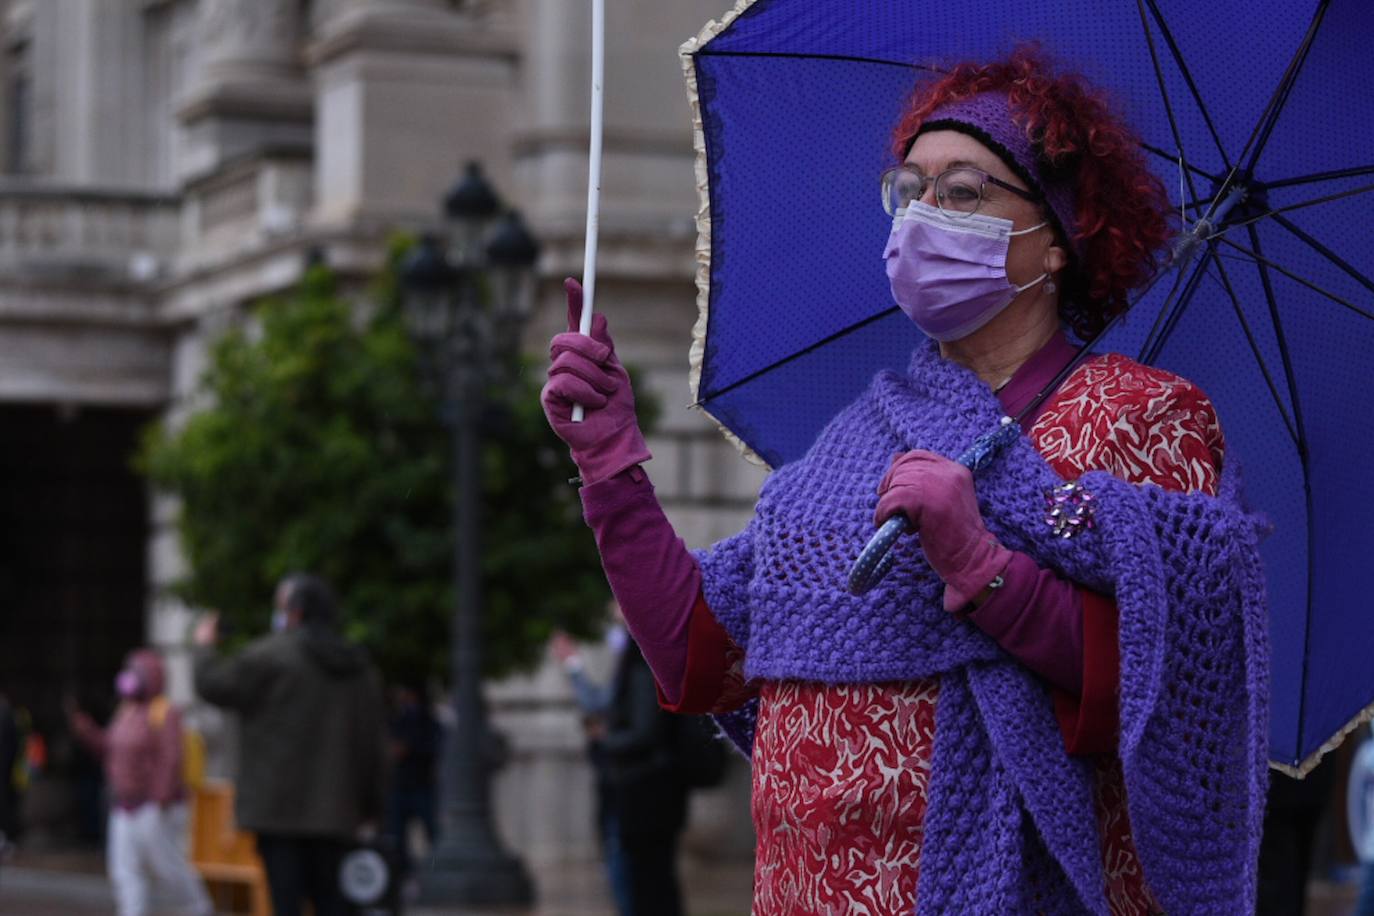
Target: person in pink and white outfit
{"x": 142, "y": 752}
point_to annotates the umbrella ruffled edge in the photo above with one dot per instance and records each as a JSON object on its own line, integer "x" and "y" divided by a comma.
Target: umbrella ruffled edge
{"x": 702, "y": 254}
{"x": 1309, "y": 763}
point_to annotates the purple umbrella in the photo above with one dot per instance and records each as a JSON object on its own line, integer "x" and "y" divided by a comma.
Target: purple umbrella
{"x": 1257, "y": 115}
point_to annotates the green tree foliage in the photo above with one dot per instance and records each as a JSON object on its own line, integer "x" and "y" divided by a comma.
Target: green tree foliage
{"x": 319, "y": 449}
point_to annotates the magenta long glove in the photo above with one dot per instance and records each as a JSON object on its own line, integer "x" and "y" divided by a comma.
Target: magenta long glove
{"x": 936, "y": 495}
{"x": 1038, "y": 618}
{"x": 655, "y": 579}
{"x": 585, "y": 370}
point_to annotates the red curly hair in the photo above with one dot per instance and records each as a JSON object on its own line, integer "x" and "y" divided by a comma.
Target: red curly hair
{"x": 1122, "y": 213}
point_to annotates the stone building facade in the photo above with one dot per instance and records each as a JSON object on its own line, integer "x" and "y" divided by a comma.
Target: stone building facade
{"x": 168, "y": 161}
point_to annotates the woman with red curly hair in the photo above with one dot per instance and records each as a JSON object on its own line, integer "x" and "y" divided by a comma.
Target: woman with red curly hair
{"x": 884, "y": 776}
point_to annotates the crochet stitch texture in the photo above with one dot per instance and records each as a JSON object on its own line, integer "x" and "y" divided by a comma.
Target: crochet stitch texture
{"x": 1010, "y": 826}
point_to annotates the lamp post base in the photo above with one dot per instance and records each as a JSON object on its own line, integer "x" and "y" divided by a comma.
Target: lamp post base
{"x": 453, "y": 878}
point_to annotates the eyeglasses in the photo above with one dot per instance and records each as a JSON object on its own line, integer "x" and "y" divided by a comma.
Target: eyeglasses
{"x": 958, "y": 191}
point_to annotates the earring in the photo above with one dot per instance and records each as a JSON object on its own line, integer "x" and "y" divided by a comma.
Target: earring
{"x": 1050, "y": 287}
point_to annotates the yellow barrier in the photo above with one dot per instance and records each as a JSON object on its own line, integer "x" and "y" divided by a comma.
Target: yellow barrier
{"x": 223, "y": 854}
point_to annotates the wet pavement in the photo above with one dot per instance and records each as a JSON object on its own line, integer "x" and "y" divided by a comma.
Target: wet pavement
{"x": 39, "y": 892}
{"x": 64, "y": 887}
{"x": 72, "y": 885}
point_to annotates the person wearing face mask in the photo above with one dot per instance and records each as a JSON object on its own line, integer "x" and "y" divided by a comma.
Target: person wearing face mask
{"x": 904, "y": 742}
{"x": 142, "y": 752}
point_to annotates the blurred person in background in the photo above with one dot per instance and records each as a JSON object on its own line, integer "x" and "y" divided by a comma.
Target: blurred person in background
{"x": 1293, "y": 811}
{"x": 1359, "y": 816}
{"x": 593, "y": 699}
{"x": 87, "y": 774}
{"x": 9, "y": 756}
{"x": 646, "y": 785}
{"x": 414, "y": 745}
{"x": 142, "y": 753}
{"x": 312, "y": 755}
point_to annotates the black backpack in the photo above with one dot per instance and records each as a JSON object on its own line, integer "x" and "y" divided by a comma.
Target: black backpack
{"x": 700, "y": 752}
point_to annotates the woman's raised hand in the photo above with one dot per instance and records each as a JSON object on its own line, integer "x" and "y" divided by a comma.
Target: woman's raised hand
{"x": 584, "y": 370}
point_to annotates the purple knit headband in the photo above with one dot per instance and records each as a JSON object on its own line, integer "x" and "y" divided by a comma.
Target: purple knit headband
{"x": 988, "y": 118}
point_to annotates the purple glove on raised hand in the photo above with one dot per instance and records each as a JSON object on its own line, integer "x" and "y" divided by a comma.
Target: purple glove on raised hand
{"x": 936, "y": 494}
{"x": 586, "y": 371}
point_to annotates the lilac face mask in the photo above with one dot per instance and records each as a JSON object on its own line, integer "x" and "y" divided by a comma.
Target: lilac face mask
{"x": 949, "y": 274}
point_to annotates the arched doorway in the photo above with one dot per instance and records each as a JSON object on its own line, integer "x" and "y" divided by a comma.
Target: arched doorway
{"x": 73, "y": 581}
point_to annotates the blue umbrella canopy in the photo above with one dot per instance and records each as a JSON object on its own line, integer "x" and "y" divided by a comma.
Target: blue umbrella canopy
{"x": 1262, "y": 110}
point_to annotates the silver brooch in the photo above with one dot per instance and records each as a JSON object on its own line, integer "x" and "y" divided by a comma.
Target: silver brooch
{"x": 1068, "y": 509}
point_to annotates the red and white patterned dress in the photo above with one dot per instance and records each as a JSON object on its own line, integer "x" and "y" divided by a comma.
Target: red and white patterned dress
{"x": 841, "y": 772}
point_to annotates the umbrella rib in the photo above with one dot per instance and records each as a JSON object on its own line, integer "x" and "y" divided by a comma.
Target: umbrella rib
{"x": 1164, "y": 95}
{"x": 1165, "y": 310}
{"x": 1225, "y": 281}
{"x": 1177, "y": 160}
{"x": 1267, "y": 282}
{"x": 1290, "y": 74}
{"x": 1187, "y": 78}
{"x": 1172, "y": 159}
{"x": 1326, "y": 252}
{"x": 1083, "y": 353}
{"x": 1150, "y": 351}
{"x": 1304, "y": 457}
{"x": 1362, "y": 189}
{"x": 1286, "y": 87}
{"x": 1354, "y": 172}
{"x": 1259, "y": 258}
{"x": 1198, "y": 203}
{"x": 720, "y": 392}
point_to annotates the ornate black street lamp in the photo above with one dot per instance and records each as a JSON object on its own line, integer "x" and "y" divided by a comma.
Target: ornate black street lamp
{"x": 467, "y": 294}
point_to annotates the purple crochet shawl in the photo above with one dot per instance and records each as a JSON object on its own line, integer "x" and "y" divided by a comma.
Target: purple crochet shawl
{"x": 1010, "y": 825}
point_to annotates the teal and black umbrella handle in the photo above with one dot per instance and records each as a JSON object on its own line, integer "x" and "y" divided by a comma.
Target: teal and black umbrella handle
{"x": 876, "y": 559}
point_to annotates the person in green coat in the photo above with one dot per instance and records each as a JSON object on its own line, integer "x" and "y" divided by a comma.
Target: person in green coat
{"x": 312, "y": 741}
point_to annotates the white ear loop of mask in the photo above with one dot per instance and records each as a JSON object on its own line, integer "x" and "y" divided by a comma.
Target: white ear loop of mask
{"x": 1044, "y": 276}
{"x": 1024, "y": 287}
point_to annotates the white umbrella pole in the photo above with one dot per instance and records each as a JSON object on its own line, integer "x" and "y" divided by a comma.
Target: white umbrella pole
{"x": 593, "y": 175}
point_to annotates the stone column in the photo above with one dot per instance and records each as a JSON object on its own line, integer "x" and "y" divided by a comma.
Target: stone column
{"x": 250, "y": 93}
{"x": 86, "y": 92}
{"x": 248, "y": 41}
{"x": 406, "y": 92}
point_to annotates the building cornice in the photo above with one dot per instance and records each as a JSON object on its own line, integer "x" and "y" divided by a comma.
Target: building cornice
{"x": 535, "y": 141}
{"x": 64, "y": 301}
{"x": 422, "y": 31}
{"x": 267, "y": 100}
{"x": 236, "y": 167}
{"x": 38, "y": 188}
